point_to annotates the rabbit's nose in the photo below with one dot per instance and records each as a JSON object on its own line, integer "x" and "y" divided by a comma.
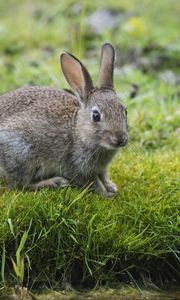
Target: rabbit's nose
{"x": 120, "y": 138}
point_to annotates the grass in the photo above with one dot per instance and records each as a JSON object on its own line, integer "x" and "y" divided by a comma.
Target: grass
{"x": 84, "y": 238}
{"x": 78, "y": 237}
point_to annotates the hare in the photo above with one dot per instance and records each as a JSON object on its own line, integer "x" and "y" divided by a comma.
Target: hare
{"x": 51, "y": 138}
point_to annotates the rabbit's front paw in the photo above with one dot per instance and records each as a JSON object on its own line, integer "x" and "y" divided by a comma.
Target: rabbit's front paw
{"x": 107, "y": 190}
{"x": 111, "y": 190}
{"x": 111, "y": 187}
{"x": 108, "y": 194}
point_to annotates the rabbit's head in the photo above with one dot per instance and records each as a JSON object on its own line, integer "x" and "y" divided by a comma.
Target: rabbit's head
{"x": 102, "y": 118}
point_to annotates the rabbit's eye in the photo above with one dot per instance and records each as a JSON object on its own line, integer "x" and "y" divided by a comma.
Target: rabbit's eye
{"x": 125, "y": 111}
{"x": 96, "y": 116}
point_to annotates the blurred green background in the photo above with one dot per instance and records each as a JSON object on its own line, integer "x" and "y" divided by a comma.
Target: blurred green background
{"x": 147, "y": 41}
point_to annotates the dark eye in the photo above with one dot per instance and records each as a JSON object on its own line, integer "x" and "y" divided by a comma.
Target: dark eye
{"x": 96, "y": 116}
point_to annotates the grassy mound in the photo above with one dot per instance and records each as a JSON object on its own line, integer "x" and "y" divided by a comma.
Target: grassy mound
{"x": 81, "y": 238}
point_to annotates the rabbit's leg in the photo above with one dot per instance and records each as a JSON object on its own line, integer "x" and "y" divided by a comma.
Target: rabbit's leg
{"x": 102, "y": 189}
{"x": 14, "y": 157}
{"x": 16, "y": 177}
{"x": 108, "y": 184}
{"x": 51, "y": 183}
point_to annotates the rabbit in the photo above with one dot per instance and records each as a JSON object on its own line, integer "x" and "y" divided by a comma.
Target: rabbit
{"x": 51, "y": 138}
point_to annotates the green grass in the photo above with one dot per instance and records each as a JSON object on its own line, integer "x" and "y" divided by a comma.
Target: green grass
{"x": 73, "y": 235}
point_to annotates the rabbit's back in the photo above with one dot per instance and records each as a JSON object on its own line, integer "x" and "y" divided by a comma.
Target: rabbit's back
{"x": 43, "y": 117}
{"x": 36, "y": 100}
{"x": 36, "y": 132}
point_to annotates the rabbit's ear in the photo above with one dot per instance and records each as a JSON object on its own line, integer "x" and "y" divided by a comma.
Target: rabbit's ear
{"x": 76, "y": 74}
{"x": 106, "y": 66}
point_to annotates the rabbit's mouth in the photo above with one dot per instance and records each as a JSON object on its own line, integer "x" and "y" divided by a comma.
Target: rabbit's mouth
{"x": 120, "y": 144}
{"x": 112, "y": 146}
{"x": 115, "y": 142}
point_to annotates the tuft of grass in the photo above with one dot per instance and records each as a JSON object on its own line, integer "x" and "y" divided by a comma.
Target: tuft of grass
{"x": 18, "y": 266}
{"x": 3, "y": 262}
